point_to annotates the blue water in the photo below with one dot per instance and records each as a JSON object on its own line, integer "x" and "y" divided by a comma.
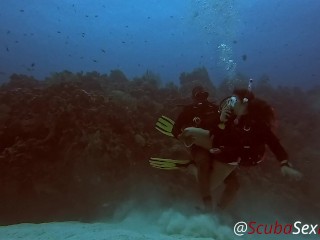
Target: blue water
{"x": 277, "y": 38}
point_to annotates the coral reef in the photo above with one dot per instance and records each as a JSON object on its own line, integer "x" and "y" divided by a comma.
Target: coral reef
{"x": 75, "y": 145}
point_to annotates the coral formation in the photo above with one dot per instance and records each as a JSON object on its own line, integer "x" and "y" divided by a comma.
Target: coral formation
{"x": 72, "y": 143}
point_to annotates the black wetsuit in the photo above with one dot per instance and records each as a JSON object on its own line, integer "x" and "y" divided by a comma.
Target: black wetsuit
{"x": 244, "y": 142}
{"x": 202, "y": 115}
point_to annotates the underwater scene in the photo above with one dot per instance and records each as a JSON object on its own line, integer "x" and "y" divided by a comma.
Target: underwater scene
{"x": 159, "y": 119}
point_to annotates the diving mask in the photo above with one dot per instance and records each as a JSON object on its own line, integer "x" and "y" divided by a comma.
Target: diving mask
{"x": 232, "y": 101}
{"x": 201, "y": 96}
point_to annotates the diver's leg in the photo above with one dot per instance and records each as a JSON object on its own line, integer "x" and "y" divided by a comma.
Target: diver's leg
{"x": 203, "y": 162}
{"x": 232, "y": 186}
{"x": 220, "y": 172}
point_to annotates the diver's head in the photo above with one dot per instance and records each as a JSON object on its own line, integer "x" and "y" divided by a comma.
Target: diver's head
{"x": 243, "y": 94}
{"x": 239, "y": 101}
{"x": 199, "y": 94}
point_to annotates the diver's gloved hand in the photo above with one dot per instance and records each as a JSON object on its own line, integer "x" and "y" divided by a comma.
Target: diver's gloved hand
{"x": 291, "y": 173}
{"x": 225, "y": 113}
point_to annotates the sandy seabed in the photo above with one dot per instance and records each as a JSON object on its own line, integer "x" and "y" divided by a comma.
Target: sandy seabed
{"x": 79, "y": 231}
{"x": 166, "y": 225}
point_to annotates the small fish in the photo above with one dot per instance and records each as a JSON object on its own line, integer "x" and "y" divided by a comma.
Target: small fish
{"x": 7, "y": 49}
{"x": 102, "y": 50}
{"x": 94, "y": 60}
{"x": 244, "y": 57}
{"x": 33, "y": 64}
{"x": 21, "y": 10}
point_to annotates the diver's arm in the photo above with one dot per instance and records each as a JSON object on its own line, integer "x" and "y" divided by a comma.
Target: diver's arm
{"x": 275, "y": 146}
{"x": 282, "y": 156}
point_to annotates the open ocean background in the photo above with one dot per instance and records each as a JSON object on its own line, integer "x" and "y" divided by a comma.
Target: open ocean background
{"x": 84, "y": 81}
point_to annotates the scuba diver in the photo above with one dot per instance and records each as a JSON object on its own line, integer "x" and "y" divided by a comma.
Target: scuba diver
{"x": 203, "y": 114}
{"x": 240, "y": 136}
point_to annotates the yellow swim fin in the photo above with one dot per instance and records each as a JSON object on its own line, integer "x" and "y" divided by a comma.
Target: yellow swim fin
{"x": 165, "y": 125}
{"x": 168, "y": 164}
